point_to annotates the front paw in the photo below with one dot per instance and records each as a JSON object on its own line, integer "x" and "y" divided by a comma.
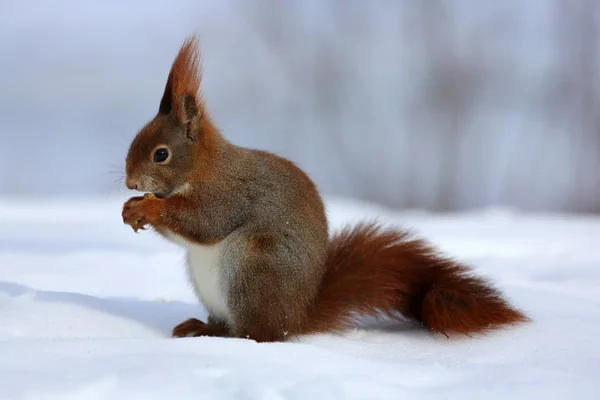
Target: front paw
{"x": 140, "y": 211}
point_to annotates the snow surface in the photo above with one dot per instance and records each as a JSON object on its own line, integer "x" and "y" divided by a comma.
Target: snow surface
{"x": 86, "y": 309}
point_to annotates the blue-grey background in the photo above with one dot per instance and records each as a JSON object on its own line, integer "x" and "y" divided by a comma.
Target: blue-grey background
{"x": 444, "y": 105}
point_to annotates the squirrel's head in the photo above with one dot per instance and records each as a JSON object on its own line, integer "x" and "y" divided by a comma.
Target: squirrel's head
{"x": 163, "y": 155}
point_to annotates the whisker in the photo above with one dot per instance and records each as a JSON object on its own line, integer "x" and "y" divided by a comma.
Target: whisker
{"x": 115, "y": 167}
{"x": 121, "y": 173}
{"x": 153, "y": 182}
{"x": 146, "y": 182}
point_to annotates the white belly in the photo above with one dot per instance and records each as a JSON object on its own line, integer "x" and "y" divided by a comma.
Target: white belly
{"x": 206, "y": 275}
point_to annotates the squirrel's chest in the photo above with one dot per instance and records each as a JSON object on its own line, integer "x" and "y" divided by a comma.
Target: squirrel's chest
{"x": 207, "y": 276}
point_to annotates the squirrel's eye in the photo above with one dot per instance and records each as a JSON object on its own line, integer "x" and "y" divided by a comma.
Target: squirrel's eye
{"x": 161, "y": 155}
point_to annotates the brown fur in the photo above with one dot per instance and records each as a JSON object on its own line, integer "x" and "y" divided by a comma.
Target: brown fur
{"x": 195, "y": 327}
{"x": 372, "y": 271}
{"x": 184, "y": 78}
{"x": 283, "y": 275}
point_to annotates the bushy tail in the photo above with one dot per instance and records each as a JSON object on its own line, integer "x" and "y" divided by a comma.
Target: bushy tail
{"x": 373, "y": 271}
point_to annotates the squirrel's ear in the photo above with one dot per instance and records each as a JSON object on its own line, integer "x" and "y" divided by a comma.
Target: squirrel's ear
{"x": 191, "y": 114}
{"x": 190, "y": 108}
{"x": 182, "y": 90}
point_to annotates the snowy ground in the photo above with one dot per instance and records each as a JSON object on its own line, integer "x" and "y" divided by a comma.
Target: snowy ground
{"x": 86, "y": 309}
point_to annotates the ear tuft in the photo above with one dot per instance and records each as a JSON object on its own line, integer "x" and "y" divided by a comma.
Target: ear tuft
{"x": 182, "y": 91}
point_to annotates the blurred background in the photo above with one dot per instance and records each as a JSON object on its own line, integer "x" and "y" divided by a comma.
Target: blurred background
{"x": 411, "y": 104}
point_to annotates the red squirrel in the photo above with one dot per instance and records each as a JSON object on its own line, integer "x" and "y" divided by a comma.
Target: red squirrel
{"x": 259, "y": 255}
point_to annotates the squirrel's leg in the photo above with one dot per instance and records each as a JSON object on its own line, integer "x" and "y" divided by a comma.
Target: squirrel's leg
{"x": 195, "y": 327}
{"x": 269, "y": 296}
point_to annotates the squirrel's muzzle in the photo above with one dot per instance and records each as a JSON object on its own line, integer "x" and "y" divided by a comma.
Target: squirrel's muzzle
{"x": 131, "y": 183}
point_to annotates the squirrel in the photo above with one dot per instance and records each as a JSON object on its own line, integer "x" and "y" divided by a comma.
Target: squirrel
{"x": 259, "y": 255}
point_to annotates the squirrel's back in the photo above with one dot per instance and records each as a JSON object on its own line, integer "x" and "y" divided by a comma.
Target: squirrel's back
{"x": 284, "y": 194}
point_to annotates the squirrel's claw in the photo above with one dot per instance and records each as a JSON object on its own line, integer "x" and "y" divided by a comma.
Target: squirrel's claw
{"x": 141, "y": 228}
{"x": 134, "y": 215}
{"x": 140, "y": 224}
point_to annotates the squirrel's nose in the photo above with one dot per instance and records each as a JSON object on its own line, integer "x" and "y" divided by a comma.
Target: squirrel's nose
{"x": 131, "y": 183}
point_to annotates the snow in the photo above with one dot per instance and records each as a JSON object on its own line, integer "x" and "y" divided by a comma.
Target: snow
{"x": 86, "y": 309}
